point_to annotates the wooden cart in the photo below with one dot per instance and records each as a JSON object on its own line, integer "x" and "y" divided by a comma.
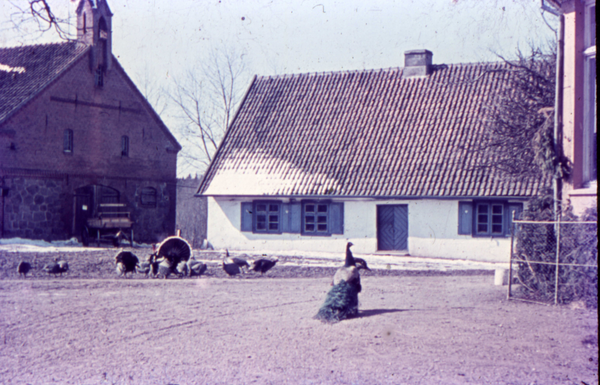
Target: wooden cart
{"x": 112, "y": 223}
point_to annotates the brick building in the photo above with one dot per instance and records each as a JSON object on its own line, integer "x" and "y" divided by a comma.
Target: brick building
{"x": 75, "y": 132}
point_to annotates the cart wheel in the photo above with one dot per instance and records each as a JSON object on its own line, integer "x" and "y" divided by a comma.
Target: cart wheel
{"x": 85, "y": 237}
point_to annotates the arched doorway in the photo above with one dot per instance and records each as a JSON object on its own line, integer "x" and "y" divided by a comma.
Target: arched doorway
{"x": 86, "y": 201}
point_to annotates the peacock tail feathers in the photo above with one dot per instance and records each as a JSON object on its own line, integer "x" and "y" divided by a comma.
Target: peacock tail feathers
{"x": 341, "y": 303}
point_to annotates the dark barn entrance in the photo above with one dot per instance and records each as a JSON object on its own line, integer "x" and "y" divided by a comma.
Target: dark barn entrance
{"x": 87, "y": 199}
{"x": 392, "y": 227}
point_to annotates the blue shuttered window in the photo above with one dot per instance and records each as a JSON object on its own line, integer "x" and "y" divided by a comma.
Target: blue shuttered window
{"x": 487, "y": 218}
{"x": 306, "y": 218}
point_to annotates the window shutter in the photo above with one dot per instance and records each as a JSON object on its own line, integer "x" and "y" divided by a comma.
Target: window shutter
{"x": 294, "y": 220}
{"x": 465, "y": 218}
{"x": 285, "y": 217}
{"x": 246, "y": 217}
{"x": 336, "y": 217}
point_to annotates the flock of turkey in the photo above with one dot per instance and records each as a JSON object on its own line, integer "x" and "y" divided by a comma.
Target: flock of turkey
{"x": 174, "y": 257}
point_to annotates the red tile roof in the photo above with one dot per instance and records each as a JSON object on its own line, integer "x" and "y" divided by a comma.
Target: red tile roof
{"x": 26, "y": 70}
{"x": 365, "y": 133}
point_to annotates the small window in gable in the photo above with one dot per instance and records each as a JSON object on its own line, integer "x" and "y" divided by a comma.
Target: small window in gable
{"x": 125, "y": 146}
{"x": 148, "y": 197}
{"x": 99, "y": 78}
{"x": 68, "y": 141}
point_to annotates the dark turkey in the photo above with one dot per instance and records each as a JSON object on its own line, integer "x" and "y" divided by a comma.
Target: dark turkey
{"x": 126, "y": 262}
{"x": 263, "y": 265}
{"x": 196, "y": 268}
{"x": 23, "y": 268}
{"x": 342, "y": 300}
{"x": 56, "y": 267}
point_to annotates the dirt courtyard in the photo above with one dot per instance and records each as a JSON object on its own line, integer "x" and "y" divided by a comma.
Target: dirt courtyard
{"x": 212, "y": 330}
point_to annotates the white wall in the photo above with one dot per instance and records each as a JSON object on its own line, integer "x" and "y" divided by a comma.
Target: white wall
{"x": 433, "y": 232}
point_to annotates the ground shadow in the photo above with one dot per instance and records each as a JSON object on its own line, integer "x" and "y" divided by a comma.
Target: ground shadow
{"x": 372, "y": 312}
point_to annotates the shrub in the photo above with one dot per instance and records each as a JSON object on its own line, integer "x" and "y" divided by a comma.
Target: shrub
{"x": 537, "y": 242}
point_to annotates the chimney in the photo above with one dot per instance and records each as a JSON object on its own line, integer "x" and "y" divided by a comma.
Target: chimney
{"x": 417, "y": 63}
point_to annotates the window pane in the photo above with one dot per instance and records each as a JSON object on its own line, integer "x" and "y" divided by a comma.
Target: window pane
{"x": 261, "y": 226}
{"x": 322, "y": 227}
{"x": 322, "y": 208}
{"x": 496, "y": 209}
{"x": 482, "y": 209}
{"x": 309, "y": 208}
{"x": 496, "y": 229}
{"x": 497, "y": 219}
{"x": 482, "y": 228}
{"x": 482, "y": 218}
{"x": 261, "y": 218}
{"x": 310, "y": 227}
{"x": 273, "y": 218}
{"x": 261, "y": 207}
{"x": 321, "y": 219}
{"x": 273, "y": 208}
{"x": 273, "y": 226}
{"x": 309, "y": 219}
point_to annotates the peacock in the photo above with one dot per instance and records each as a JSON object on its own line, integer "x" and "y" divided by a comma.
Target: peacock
{"x": 342, "y": 300}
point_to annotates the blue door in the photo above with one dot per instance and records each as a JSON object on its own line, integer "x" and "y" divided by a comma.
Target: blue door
{"x": 392, "y": 227}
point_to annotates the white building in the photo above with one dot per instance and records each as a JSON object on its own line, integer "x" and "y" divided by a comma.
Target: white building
{"x": 389, "y": 159}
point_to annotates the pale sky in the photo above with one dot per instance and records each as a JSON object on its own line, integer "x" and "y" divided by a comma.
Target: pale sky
{"x": 162, "y": 39}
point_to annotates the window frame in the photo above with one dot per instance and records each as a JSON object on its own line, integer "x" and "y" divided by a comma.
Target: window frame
{"x": 151, "y": 203}
{"x": 590, "y": 172}
{"x": 68, "y": 141}
{"x": 268, "y": 222}
{"x": 125, "y": 146}
{"x": 491, "y": 219}
{"x": 317, "y": 221}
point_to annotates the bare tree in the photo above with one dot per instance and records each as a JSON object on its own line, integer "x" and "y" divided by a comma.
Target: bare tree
{"x": 40, "y": 14}
{"x": 519, "y": 136}
{"x": 206, "y": 99}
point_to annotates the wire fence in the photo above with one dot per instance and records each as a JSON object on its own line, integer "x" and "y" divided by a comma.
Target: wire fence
{"x": 554, "y": 262}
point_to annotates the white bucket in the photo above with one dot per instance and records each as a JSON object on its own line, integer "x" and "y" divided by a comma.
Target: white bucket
{"x": 501, "y": 277}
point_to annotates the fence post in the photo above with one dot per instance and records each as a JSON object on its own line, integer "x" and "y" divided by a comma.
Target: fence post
{"x": 557, "y": 261}
{"x": 512, "y": 241}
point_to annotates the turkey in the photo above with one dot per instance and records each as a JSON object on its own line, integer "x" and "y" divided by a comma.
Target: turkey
{"x": 23, "y": 268}
{"x": 126, "y": 262}
{"x": 195, "y": 268}
{"x": 182, "y": 269}
{"x": 342, "y": 300}
{"x": 240, "y": 262}
{"x": 56, "y": 267}
{"x": 263, "y": 265}
{"x": 150, "y": 267}
{"x": 230, "y": 267}
{"x": 166, "y": 267}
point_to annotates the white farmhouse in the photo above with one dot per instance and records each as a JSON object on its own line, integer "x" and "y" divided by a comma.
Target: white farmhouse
{"x": 391, "y": 159}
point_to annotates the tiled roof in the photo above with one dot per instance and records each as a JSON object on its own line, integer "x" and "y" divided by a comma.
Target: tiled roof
{"x": 364, "y": 133}
{"x": 26, "y": 70}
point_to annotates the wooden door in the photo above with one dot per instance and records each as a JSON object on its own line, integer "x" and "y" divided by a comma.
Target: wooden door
{"x": 392, "y": 227}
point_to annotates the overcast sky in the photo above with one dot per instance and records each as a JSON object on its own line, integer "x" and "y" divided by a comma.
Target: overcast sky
{"x": 164, "y": 38}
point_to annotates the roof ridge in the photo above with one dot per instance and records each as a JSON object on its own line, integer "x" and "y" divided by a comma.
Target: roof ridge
{"x": 41, "y": 45}
{"x": 369, "y": 70}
